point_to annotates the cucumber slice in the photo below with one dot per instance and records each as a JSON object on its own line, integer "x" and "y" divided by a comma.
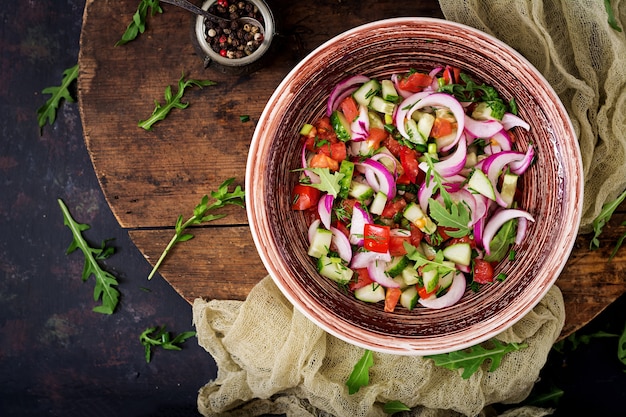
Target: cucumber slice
{"x": 425, "y": 125}
{"x": 412, "y": 130}
{"x": 360, "y": 191}
{"x": 446, "y": 280}
{"x": 401, "y": 284}
{"x": 413, "y": 212}
{"x": 459, "y": 253}
{"x": 375, "y": 120}
{"x": 410, "y": 275}
{"x": 409, "y": 297}
{"x": 430, "y": 279}
{"x": 397, "y": 265}
{"x": 509, "y": 186}
{"x": 363, "y": 95}
{"x": 479, "y": 183}
{"x": 320, "y": 243}
{"x": 341, "y": 126}
{"x": 334, "y": 269}
{"x": 379, "y": 202}
{"x": 347, "y": 169}
{"x": 380, "y": 105}
{"x": 388, "y": 91}
{"x": 371, "y": 293}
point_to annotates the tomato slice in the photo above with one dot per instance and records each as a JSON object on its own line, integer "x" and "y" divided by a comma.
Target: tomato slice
{"x": 442, "y": 127}
{"x": 483, "y": 271}
{"x": 336, "y": 151}
{"x": 392, "y": 295}
{"x": 451, "y": 75}
{"x": 396, "y": 245}
{"x": 421, "y": 291}
{"x": 376, "y": 237}
{"x": 415, "y": 82}
{"x": 410, "y": 164}
{"x": 349, "y": 108}
{"x": 376, "y": 136}
{"x": 416, "y": 235}
{"x": 362, "y": 279}
{"x": 304, "y": 197}
{"x": 321, "y": 160}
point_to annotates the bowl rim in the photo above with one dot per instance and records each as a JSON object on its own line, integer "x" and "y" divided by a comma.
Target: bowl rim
{"x": 388, "y": 343}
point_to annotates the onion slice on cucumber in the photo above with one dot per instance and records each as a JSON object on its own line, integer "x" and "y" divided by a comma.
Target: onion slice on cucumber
{"x": 454, "y": 294}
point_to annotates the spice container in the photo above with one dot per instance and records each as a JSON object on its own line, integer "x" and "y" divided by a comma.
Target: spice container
{"x": 239, "y": 46}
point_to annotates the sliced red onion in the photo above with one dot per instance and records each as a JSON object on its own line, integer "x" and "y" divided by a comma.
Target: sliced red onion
{"x": 340, "y": 88}
{"x": 434, "y": 85}
{"x": 519, "y": 167}
{"x": 357, "y": 224}
{"x": 400, "y": 233}
{"x": 360, "y": 127}
{"x": 379, "y": 177}
{"x": 497, "y": 220}
{"x": 481, "y": 128}
{"x": 454, "y": 294}
{"x": 361, "y": 259}
{"x": 509, "y": 120}
{"x": 454, "y": 163}
{"x": 312, "y": 228}
{"x": 406, "y": 108}
{"x": 387, "y": 156}
{"x": 342, "y": 244}
{"x": 493, "y": 166}
{"x": 376, "y": 271}
{"x": 502, "y": 139}
{"x": 522, "y": 226}
{"x": 425, "y": 193}
{"x": 395, "y": 79}
{"x": 479, "y": 226}
{"x": 315, "y": 179}
{"x": 464, "y": 196}
{"x": 324, "y": 208}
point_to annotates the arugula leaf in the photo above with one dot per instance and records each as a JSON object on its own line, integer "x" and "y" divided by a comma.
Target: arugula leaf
{"x": 611, "y": 16}
{"x": 157, "y": 336}
{"x": 458, "y": 217}
{"x": 360, "y": 373}
{"x": 48, "y": 112}
{"x": 618, "y": 244}
{"x": 471, "y": 359}
{"x": 330, "y": 183}
{"x": 502, "y": 241}
{"x": 138, "y": 24}
{"x": 395, "y": 407}
{"x": 621, "y": 347}
{"x": 576, "y": 340}
{"x": 222, "y": 198}
{"x": 104, "y": 280}
{"x": 603, "y": 218}
{"x": 172, "y": 101}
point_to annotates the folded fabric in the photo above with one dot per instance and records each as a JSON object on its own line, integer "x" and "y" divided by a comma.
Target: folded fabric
{"x": 272, "y": 359}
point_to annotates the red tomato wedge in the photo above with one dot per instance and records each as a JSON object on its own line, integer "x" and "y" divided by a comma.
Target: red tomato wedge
{"x": 304, "y": 197}
{"x": 415, "y": 82}
{"x": 392, "y": 295}
{"x": 349, "y": 108}
{"x": 362, "y": 279}
{"x": 483, "y": 271}
{"x": 376, "y": 238}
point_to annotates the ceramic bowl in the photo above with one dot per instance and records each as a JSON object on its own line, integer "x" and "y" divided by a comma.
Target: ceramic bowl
{"x": 553, "y": 186}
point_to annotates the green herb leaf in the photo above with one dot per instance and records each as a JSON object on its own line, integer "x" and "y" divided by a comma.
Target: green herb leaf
{"x": 222, "y": 198}
{"x": 621, "y": 347}
{"x": 574, "y": 340}
{"x": 395, "y": 407}
{"x": 48, "y": 112}
{"x": 471, "y": 359}
{"x": 603, "y": 218}
{"x": 360, "y": 376}
{"x": 157, "y": 336}
{"x": 611, "y": 16}
{"x": 330, "y": 183}
{"x": 457, "y": 217}
{"x": 502, "y": 241}
{"x": 618, "y": 244}
{"x": 422, "y": 261}
{"x": 105, "y": 282}
{"x": 244, "y": 118}
{"x": 172, "y": 101}
{"x": 138, "y": 24}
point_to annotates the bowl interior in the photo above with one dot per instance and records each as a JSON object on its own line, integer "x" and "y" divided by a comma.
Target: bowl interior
{"x": 552, "y": 187}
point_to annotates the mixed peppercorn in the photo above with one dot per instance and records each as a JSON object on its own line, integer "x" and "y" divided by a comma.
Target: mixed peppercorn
{"x": 235, "y": 39}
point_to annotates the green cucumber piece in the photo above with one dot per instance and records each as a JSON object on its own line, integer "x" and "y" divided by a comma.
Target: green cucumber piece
{"x": 430, "y": 278}
{"x": 381, "y": 105}
{"x": 341, "y": 126}
{"x": 509, "y": 187}
{"x": 320, "y": 243}
{"x": 459, "y": 253}
{"x": 371, "y": 293}
{"x": 446, "y": 280}
{"x": 334, "y": 269}
{"x": 347, "y": 169}
{"x": 409, "y": 297}
{"x": 397, "y": 265}
{"x": 360, "y": 191}
{"x": 363, "y": 95}
{"x": 479, "y": 183}
{"x": 388, "y": 91}
{"x": 378, "y": 204}
{"x": 410, "y": 275}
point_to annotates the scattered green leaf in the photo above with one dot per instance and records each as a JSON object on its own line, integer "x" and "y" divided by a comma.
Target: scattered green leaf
{"x": 618, "y": 244}
{"x": 472, "y": 358}
{"x": 172, "y": 101}
{"x": 552, "y": 396}
{"x": 611, "y": 16}
{"x": 360, "y": 376}
{"x": 330, "y": 183}
{"x": 422, "y": 261}
{"x": 468, "y": 90}
{"x": 574, "y": 340}
{"x": 138, "y": 24}
{"x": 157, "y": 336}
{"x": 603, "y": 218}
{"x": 395, "y": 407}
{"x": 48, "y": 112}
{"x": 222, "y": 198}
{"x": 244, "y": 118}
{"x": 621, "y": 347}
{"x": 105, "y": 282}
{"x": 502, "y": 241}
{"x": 456, "y": 218}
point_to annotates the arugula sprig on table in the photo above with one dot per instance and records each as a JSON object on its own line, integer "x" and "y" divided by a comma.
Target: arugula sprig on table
{"x": 611, "y": 16}
{"x": 157, "y": 336}
{"x": 138, "y": 24}
{"x": 222, "y": 198}
{"x": 105, "y": 282}
{"x": 48, "y": 112}
{"x": 602, "y": 219}
{"x": 172, "y": 101}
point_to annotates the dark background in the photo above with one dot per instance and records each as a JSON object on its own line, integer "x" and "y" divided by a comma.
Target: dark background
{"x": 59, "y": 358}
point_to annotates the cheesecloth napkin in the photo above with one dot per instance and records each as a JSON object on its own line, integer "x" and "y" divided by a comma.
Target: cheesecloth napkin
{"x": 273, "y": 360}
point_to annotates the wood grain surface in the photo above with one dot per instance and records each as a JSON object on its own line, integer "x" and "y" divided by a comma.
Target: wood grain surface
{"x": 149, "y": 178}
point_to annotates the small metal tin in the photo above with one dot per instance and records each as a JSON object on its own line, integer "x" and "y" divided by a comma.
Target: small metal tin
{"x": 245, "y": 65}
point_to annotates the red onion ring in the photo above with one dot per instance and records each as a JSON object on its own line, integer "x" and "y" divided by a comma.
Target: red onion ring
{"x": 376, "y": 271}
{"x": 509, "y": 120}
{"x": 357, "y": 224}
{"x": 340, "y": 88}
{"x": 362, "y": 259}
{"x": 324, "y": 208}
{"x": 497, "y": 220}
{"x": 342, "y": 244}
{"x": 454, "y": 294}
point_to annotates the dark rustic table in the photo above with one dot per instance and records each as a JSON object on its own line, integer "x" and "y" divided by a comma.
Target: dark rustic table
{"x": 57, "y": 357}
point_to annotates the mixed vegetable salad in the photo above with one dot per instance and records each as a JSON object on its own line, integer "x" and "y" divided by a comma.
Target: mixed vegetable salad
{"x": 412, "y": 187}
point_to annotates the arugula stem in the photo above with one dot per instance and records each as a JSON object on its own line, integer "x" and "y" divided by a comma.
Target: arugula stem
{"x": 170, "y": 245}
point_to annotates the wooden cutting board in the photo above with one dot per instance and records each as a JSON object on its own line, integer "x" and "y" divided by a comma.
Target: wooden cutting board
{"x": 149, "y": 178}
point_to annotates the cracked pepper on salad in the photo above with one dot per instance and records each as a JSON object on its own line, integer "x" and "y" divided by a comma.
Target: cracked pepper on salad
{"x": 412, "y": 187}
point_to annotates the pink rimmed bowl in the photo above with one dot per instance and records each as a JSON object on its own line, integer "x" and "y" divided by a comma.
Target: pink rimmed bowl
{"x": 553, "y": 187}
